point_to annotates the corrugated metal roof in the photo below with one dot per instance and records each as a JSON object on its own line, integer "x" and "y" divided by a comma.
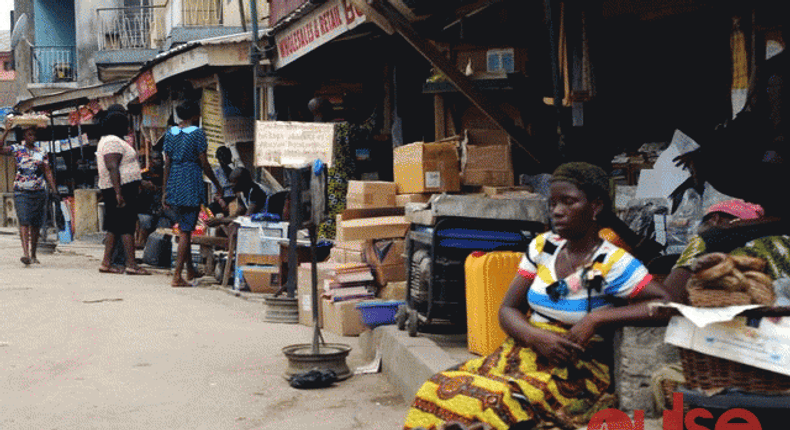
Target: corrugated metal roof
{"x": 172, "y": 52}
{"x": 68, "y": 98}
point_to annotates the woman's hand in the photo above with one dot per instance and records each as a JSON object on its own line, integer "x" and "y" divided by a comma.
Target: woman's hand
{"x": 556, "y": 348}
{"x": 119, "y": 199}
{"x": 583, "y": 331}
{"x": 165, "y": 206}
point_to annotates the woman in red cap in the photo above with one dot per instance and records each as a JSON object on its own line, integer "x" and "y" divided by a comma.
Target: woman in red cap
{"x": 720, "y": 215}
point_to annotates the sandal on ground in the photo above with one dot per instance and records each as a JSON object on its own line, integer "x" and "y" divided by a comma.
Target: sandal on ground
{"x": 105, "y": 269}
{"x": 137, "y": 271}
{"x": 34, "y": 260}
{"x": 25, "y": 260}
{"x": 193, "y": 275}
{"x": 180, "y": 283}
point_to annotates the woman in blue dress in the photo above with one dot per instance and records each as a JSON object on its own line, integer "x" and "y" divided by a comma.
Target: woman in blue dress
{"x": 185, "y": 148}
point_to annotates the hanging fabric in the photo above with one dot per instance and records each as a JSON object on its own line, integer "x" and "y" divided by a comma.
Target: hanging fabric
{"x": 574, "y": 60}
{"x": 740, "y": 68}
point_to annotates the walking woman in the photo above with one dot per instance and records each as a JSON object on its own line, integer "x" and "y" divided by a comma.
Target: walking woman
{"x": 30, "y": 193}
{"x": 571, "y": 291}
{"x": 185, "y": 161}
{"x": 119, "y": 181}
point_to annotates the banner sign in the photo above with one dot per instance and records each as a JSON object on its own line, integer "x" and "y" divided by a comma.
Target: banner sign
{"x": 146, "y": 86}
{"x": 323, "y": 24}
{"x": 290, "y": 143}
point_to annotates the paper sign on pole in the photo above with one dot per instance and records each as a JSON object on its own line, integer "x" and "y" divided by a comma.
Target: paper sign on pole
{"x": 291, "y": 143}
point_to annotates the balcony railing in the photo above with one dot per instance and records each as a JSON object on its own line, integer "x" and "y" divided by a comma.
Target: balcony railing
{"x": 52, "y": 64}
{"x": 140, "y": 27}
{"x": 201, "y": 12}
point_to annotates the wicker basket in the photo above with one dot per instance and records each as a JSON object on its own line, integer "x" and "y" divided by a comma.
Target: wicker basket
{"x": 708, "y": 372}
{"x": 706, "y": 298}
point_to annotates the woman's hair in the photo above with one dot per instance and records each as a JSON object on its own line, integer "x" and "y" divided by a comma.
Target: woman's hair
{"x": 115, "y": 122}
{"x": 188, "y": 109}
{"x": 223, "y": 153}
{"x": 591, "y": 179}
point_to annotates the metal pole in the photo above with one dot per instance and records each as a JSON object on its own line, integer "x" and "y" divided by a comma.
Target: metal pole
{"x": 293, "y": 226}
{"x": 255, "y": 56}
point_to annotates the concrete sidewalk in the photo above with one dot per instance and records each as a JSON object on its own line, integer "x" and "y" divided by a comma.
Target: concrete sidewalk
{"x": 407, "y": 362}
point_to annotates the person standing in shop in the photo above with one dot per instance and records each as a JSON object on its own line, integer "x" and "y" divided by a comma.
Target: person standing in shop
{"x": 33, "y": 172}
{"x": 185, "y": 148}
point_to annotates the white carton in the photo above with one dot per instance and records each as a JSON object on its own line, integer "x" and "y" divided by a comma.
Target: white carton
{"x": 766, "y": 347}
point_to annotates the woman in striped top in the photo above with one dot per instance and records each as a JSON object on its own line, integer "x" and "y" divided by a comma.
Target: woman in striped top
{"x": 572, "y": 289}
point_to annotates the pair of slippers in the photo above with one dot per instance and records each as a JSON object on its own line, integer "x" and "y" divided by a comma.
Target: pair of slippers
{"x": 118, "y": 271}
{"x": 27, "y": 261}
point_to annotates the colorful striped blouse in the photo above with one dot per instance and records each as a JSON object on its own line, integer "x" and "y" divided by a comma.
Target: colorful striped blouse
{"x": 621, "y": 276}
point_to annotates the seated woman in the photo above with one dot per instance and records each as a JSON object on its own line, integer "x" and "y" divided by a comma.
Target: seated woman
{"x": 718, "y": 217}
{"x": 572, "y": 288}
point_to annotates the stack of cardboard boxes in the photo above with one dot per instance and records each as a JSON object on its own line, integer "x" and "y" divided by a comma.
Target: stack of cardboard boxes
{"x": 370, "y": 231}
{"x": 373, "y": 228}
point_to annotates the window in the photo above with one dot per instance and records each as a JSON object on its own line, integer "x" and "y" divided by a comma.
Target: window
{"x": 8, "y": 66}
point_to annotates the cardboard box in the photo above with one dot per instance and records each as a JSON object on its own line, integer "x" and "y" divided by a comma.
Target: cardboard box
{"x": 393, "y": 291}
{"x": 427, "y": 168}
{"x": 475, "y": 177}
{"x": 262, "y": 279}
{"x": 402, "y": 199}
{"x": 257, "y": 259}
{"x": 476, "y": 59}
{"x": 486, "y": 158}
{"x": 348, "y": 252}
{"x": 372, "y": 228}
{"x": 370, "y": 194}
{"x": 386, "y": 259}
{"x": 304, "y": 291}
{"x": 260, "y": 237}
{"x": 343, "y": 318}
{"x": 766, "y": 347}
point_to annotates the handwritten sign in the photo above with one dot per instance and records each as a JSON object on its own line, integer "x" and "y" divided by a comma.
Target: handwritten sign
{"x": 290, "y": 143}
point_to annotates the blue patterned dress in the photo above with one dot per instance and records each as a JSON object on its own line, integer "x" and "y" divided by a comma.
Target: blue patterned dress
{"x": 185, "y": 183}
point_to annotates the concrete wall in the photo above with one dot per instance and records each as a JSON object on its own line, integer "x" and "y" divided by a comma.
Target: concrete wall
{"x": 639, "y": 353}
{"x": 22, "y": 50}
{"x": 54, "y": 23}
{"x": 87, "y": 42}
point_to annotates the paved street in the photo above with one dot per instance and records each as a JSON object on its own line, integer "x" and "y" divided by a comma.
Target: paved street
{"x": 83, "y": 350}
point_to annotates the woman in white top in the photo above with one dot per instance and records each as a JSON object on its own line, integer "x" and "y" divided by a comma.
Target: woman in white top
{"x": 119, "y": 181}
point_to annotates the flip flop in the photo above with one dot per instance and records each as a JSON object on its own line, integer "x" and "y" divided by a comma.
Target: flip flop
{"x": 25, "y": 260}
{"x": 137, "y": 271}
{"x": 34, "y": 260}
{"x": 181, "y": 283}
{"x": 113, "y": 270}
{"x": 193, "y": 276}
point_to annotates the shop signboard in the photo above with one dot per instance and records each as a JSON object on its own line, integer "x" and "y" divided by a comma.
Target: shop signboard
{"x": 146, "y": 86}
{"x": 291, "y": 143}
{"x": 323, "y": 24}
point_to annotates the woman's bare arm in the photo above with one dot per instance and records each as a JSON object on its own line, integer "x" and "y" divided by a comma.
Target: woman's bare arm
{"x": 513, "y": 319}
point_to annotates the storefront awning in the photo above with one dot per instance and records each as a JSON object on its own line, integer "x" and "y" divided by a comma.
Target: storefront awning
{"x": 70, "y": 98}
{"x": 222, "y": 51}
